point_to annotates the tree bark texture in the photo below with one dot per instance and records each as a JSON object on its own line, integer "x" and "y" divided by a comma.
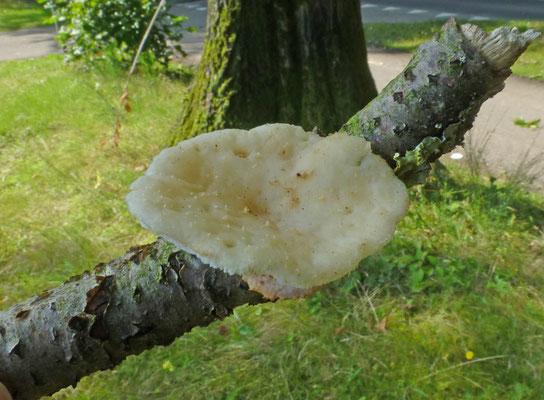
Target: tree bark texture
{"x": 279, "y": 61}
{"x": 152, "y": 295}
{"x": 426, "y": 110}
{"x": 147, "y": 297}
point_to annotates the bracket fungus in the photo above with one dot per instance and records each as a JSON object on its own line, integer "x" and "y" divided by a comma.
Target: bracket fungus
{"x": 287, "y": 209}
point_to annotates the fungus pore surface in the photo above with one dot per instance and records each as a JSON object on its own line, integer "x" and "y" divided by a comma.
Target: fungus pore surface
{"x": 274, "y": 202}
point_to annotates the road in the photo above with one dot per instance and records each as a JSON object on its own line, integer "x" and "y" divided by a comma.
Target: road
{"x": 475, "y": 10}
{"x": 410, "y": 10}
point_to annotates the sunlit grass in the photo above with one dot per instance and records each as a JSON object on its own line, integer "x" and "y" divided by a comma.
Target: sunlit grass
{"x": 62, "y": 180}
{"x": 19, "y": 14}
{"x": 463, "y": 275}
{"x": 408, "y": 36}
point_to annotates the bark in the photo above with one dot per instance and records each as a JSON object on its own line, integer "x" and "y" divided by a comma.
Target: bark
{"x": 426, "y": 110}
{"x": 145, "y": 298}
{"x": 152, "y": 295}
{"x": 279, "y": 61}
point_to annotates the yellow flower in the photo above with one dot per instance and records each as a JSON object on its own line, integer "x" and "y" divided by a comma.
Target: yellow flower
{"x": 469, "y": 355}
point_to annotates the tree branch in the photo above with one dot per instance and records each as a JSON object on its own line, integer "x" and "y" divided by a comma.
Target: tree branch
{"x": 147, "y": 297}
{"x": 152, "y": 295}
{"x": 426, "y": 110}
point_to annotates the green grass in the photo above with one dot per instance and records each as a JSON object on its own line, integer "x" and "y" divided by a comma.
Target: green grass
{"x": 408, "y": 36}
{"x": 19, "y": 14}
{"x": 62, "y": 181}
{"x": 463, "y": 273}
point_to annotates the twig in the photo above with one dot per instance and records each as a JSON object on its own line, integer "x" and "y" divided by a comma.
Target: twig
{"x": 124, "y": 102}
{"x": 54, "y": 14}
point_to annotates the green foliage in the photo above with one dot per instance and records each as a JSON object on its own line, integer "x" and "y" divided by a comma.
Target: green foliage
{"x": 464, "y": 272}
{"x": 408, "y": 36}
{"x": 527, "y": 124}
{"x": 420, "y": 272}
{"x": 408, "y": 269}
{"x": 111, "y": 30}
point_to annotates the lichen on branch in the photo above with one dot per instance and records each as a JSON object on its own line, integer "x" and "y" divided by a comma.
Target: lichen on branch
{"x": 427, "y": 109}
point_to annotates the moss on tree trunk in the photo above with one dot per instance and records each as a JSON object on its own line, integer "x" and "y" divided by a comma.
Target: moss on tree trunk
{"x": 279, "y": 61}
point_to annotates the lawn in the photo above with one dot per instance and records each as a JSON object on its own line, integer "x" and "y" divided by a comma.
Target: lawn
{"x": 408, "y": 36}
{"x": 453, "y": 308}
{"x": 21, "y": 14}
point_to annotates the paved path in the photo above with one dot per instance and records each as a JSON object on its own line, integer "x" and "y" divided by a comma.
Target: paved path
{"x": 412, "y": 10}
{"x": 508, "y": 143}
{"x": 475, "y": 10}
{"x": 28, "y": 43}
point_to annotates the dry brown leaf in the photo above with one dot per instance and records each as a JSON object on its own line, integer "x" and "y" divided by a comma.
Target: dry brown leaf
{"x": 383, "y": 323}
{"x": 125, "y": 100}
{"x": 339, "y": 330}
{"x": 117, "y": 133}
{"x": 223, "y": 330}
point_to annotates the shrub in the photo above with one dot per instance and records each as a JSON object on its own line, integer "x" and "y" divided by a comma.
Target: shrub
{"x": 111, "y": 31}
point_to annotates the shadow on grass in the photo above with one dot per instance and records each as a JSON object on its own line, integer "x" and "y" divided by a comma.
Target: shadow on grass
{"x": 501, "y": 200}
{"x": 410, "y": 264}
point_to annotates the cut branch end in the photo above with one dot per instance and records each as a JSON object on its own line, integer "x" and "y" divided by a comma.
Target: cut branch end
{"x": 502, "y": 47}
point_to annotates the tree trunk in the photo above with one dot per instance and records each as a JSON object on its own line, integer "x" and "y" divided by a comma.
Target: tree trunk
{"x": 151, "y": 295}
{"x": 279, "y": 61}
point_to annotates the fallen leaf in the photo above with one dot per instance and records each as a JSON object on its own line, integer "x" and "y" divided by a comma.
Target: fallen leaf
{"x": 383, "y": 323}
{"x": 339, "y": 330}
{"x": 117, "y": 133}
{"x": 126, "y": 104}
{"x": 527, "y": 124}
{"x": 223, "y": 330}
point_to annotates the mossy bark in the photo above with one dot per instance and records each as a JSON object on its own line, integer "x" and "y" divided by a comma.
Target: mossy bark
{"x": 295, "y": 61}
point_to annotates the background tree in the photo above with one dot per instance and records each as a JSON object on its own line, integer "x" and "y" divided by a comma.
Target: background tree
{"x": 302, "y": 62}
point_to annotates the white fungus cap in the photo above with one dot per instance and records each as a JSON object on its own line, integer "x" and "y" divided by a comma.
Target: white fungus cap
{"x": 281, "y": 206}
